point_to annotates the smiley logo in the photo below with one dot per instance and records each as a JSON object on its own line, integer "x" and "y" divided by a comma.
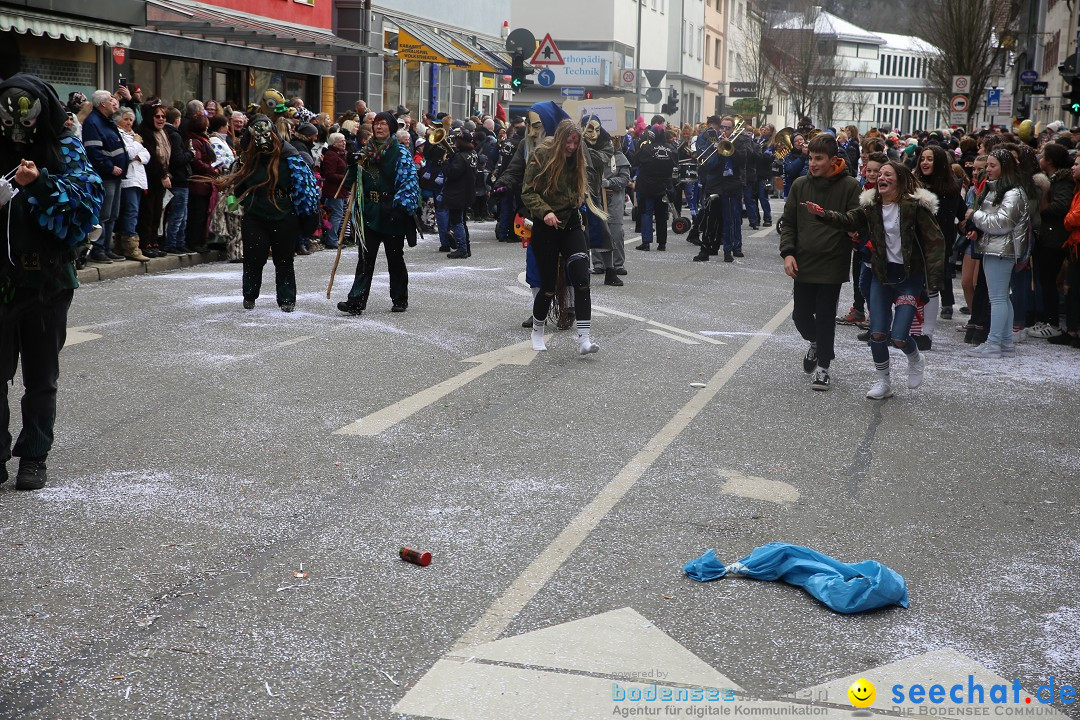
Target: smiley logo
{"x": 862, "y": 693}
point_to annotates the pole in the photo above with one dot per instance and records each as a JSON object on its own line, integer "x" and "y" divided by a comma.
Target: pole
{"x": 341, "y": 233}
{"x": 365, "y": 33}
{"x": 637, "y": 62}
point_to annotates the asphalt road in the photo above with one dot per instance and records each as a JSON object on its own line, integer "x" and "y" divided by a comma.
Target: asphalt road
{"x": 207, "y": 455}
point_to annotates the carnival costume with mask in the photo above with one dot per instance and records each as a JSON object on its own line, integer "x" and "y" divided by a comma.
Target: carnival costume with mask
{"x": 540, "y": 121}
{"x": 42, "y": 224}
{"x": 391, "y": 198}
{"x": 274, "y": 215}
{"x": 598, "y": 151}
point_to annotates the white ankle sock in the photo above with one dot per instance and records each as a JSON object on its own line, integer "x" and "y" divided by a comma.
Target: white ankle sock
{"x": 585, "y": 343}
{"x": 538, "y": 335}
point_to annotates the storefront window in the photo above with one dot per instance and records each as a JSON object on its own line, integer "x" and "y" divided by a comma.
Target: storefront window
{"x": 391, "y": 82}
{"x": 179, "y": 82}
{"x": 412, "y": 87}
{"x": 295, "y": 87}
{"x": 144, "y": 74}
{"x": 264, "y": 80}
{"x": 227, "y": 87}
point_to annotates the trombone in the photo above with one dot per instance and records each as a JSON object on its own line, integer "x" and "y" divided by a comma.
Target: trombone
{"x": 724, "y": 146}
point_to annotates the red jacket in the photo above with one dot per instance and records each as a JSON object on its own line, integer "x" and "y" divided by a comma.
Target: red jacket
{"x": 1072, "y": 224}
{"x": 202, "y": 165}
{"x": 333, "y": 172}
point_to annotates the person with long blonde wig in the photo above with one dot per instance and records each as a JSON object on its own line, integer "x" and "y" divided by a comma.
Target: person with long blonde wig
{"x": 554, "y": 189}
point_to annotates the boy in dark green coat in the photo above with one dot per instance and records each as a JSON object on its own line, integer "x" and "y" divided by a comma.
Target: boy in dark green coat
{"x": 818, "y": 257}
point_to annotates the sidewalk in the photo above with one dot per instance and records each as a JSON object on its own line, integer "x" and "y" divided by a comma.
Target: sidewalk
{"x": 93, "y": 272}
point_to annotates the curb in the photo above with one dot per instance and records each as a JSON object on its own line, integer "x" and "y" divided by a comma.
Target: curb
{"x": 94, "y": 272}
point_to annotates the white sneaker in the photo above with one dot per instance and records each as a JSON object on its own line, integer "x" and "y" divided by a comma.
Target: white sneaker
{"x": 986, "y": 350}
{"x": 882, "y": 389}
{"x": 586, "y": 346}
{"x": 916, "y": 370}
{"x": 1043, "y": 331}
{"x": 538, "y": 343}
{"x": 1008, "y": 350}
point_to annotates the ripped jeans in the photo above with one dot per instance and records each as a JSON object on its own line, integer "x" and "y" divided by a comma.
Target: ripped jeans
{"x": 892, "y": 309}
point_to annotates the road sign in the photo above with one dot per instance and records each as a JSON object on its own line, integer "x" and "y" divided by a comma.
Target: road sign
{"x": 573, "y": 92}
{"x": 959, "y": 103}
{"x": 957, "y": 118}
{"x": 545, "y": 77}
{"x": 993, "y": 98}
{"x": 547, "y": 53}
{"x": 1039, "y": 88}
{"x": 1005, "y": 105}
{"x": 520, "y": 41}
{"x": 655, "y": 77}
{"x": 628, "y": 77}
{"x": 961, "y": 84}
{"x": 1029, "y": 76}
{"x": 654, "y": 95}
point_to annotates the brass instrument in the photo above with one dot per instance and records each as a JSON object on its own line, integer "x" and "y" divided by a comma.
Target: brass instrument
{"x": 782, "y": 142}
{"x": 440, "y": 135}
{"x": 813, "y": 134}
{"x": 724, "y": 146}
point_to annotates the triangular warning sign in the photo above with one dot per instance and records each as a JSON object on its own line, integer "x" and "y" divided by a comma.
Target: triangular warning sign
{"x": 546, "y": 53}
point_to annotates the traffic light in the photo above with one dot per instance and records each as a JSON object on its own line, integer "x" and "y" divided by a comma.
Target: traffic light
{"x": 519, "y": 77}
{"x": 588, "y": 94}
{"x": 1071, "y": 101}
{"x": 672, "y": 105}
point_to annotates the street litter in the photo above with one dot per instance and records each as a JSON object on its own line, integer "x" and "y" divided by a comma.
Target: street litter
{"x": 416, "y": 557}
{"x": 301, "y": 573}
{"x": 698, "y": 385}
{"x": 845, "y": 588}
{"x": 147, "y": 621}
{"x": 268, "y": 689}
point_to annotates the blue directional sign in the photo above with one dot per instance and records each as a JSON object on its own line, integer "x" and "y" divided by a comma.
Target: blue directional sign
{"x": 993, "y": 98}
{"x": 573, "y": 92}
{"x": 1029, "y": 76}
{"x": 545, "y": 77}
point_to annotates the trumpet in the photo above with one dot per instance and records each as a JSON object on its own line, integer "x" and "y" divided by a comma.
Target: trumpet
{"x": 724, "y": 146}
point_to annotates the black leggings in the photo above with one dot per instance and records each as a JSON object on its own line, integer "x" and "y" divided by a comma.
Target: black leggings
{"x": 547, "y": 244}
{"x": 815, "y": 316}
{"x": 1048, "y": 263}
{"x": 260, "y": 236}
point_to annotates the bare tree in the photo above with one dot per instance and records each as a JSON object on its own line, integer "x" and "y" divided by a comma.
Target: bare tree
{"x": 754, "y": 65}
{"x": 805, "y": 59}
{"x": 976, "y": 51}
{"x": 859, "y": 99}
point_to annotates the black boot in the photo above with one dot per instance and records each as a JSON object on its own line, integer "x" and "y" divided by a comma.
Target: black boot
{"x": 31, "y": 475}
{"x": 610, "y": 278}
{"x": 702, "y": 256}
{"x": 351, "y": 306}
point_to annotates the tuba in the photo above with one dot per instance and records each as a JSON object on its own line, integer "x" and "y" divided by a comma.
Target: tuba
{"x": 781, "y": 143}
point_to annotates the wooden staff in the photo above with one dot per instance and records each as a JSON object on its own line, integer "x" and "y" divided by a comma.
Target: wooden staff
{"x": 341, "y": 234}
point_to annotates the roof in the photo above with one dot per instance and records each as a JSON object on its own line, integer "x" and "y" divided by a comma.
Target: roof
{"x": 907, "y": 43}
{"x": 825, "y": 23}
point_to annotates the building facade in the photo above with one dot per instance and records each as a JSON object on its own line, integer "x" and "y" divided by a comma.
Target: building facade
{"x": 57, "y": 41}
{"x": 714, "y": 56}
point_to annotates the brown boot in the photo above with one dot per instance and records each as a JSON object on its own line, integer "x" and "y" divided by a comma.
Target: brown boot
{"x": 130, "y": 244}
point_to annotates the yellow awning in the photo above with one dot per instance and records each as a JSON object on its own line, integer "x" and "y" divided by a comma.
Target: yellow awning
{"x": 478, "y": 63}
{"x": 423, "y": 45}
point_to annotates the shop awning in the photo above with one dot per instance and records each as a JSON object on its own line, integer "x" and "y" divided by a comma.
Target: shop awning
{"x": 487, "y": 56}
{"x": 57, "y": 26}
{"x": 418, "y": 43}
{"x": 217, "y": 23}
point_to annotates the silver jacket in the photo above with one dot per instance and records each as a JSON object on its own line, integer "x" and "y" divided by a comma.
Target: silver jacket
{"x": 1005, "y": 226}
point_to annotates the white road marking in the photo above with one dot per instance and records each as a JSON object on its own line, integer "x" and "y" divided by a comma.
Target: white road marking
{"x": 764, "y": 232}
{"x": 689, "y": 333}
{"x": 287, "y": 343}
{"x": 672, "y": 336}
{"x": 377, "y": 422}
{"x": 619, "y": 313}
{"x": 77, "y": 335}
{"x": 757, "y": 488}
{"x": 507, "y": 606}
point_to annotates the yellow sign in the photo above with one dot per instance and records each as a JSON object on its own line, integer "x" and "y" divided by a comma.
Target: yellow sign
{"x": 479, "y": 64}
{"x": 410, "y": 48}
{"x": 487, "y": 83}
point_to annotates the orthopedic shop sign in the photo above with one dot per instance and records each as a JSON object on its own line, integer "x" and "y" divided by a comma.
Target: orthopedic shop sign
{"x": 584, "y": 69}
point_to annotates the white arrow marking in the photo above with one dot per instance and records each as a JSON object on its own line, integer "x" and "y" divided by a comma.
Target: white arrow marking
{"x": 673, "y": 336}
{"x": 76, "y": 335}
{"x": 377, "y": 422}
{"x": 758, "y": 488}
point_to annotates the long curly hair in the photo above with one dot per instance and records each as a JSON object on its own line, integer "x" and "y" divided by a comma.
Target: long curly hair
{"x": 558, "y": 165}
{"x": 940, "y": 181}
{"x": 249, "y": 161}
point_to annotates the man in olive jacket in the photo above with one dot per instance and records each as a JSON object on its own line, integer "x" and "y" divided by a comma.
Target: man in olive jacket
{"x": 818, "y": 257}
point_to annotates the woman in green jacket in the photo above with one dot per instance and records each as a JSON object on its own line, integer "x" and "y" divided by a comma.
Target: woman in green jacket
{"x": 554, "y": 189}
{"x": 907, "y": 258}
